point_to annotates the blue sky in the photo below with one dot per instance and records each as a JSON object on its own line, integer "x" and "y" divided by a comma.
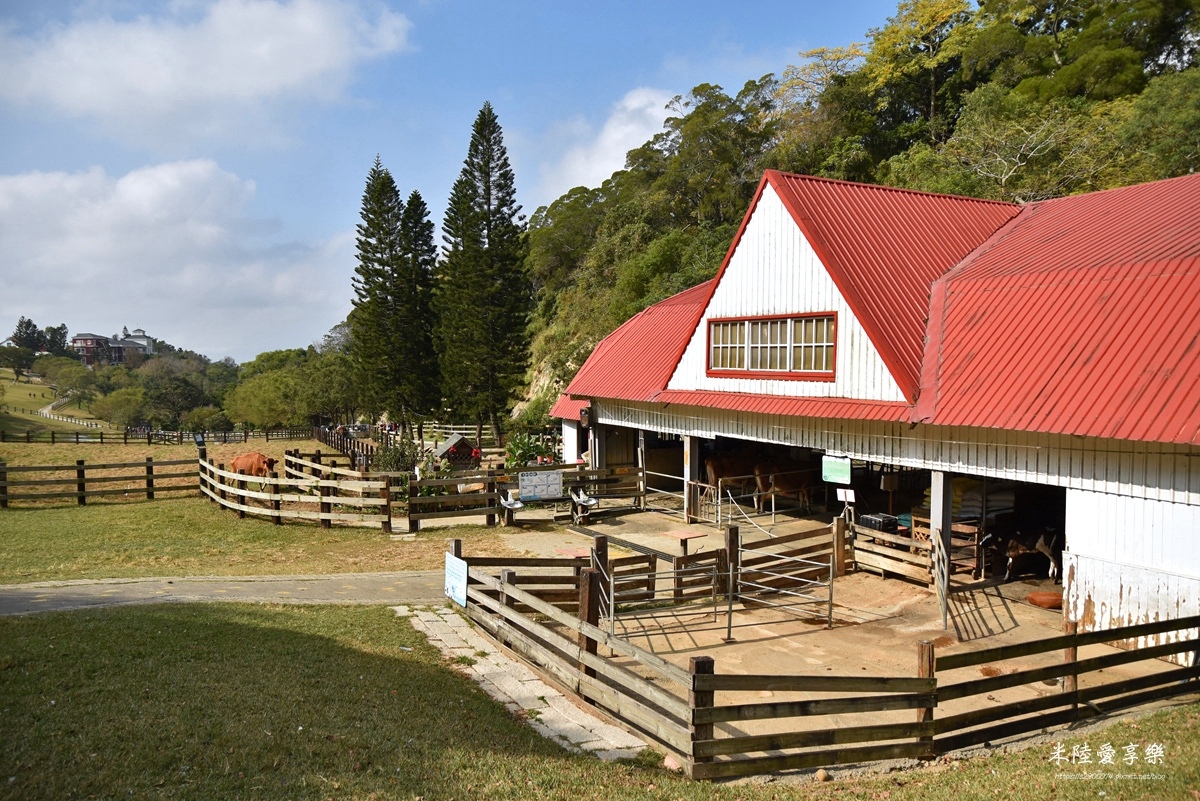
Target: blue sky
{"x": 195, "y": 168}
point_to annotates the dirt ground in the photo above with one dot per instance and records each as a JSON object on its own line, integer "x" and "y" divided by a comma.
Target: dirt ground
{"x": 878, "y": 623}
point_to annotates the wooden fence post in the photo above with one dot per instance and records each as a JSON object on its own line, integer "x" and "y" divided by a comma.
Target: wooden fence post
{"x": 221, "y": 481}
{"x": 490, "y": 489}
{"x": 1070, "y": 682}
{"x": 149, "y": 478}
{"x": 925, "y": 670}
{"x": 325, "y": 507}
{"x": 52, "y": 442}
{"x": 414, "y": 524}
{"x": 839, "y": 546}
{"x": 454, "y": 548}
{"x": 589, "y": 611}
{"x": 241, "y": 485}
{"x": 700, "y": 699}
{"x": 733, "y": 558}
{"x": 385, "y": 495}
{"x": 275, "y": 504}
{"x": 3, "y": 486}
{"x": 80, "y": 483}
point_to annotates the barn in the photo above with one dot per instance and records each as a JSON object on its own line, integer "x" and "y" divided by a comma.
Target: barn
{"x": 1032, "y": 368}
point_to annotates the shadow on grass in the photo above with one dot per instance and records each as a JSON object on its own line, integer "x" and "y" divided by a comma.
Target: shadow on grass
{"x": 211, "y": 701}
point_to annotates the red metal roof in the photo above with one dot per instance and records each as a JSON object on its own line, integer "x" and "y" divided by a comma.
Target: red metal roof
{"x": 1082, "y": 316}
{"x": 635, "y": 361}
{"x": 566, "y": 408}
{"x": 883, "y": 247}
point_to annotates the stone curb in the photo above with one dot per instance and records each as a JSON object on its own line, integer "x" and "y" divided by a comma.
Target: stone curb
{"x": 515, "y": 685}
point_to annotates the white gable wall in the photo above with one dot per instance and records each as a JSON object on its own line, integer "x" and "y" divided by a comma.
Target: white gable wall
{"x": 775, "y": 270}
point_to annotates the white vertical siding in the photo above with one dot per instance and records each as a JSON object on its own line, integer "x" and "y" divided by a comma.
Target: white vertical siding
{"x": 1100, "y": 594}
{"x": 1139, "y": 532}
{"x": 1171, "y": 472}
{"x": 775, "y": 271}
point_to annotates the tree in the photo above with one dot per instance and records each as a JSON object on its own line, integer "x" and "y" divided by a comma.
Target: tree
{"x": 28, "y": 335}
{"x": 391, "y": 326}
{"x": 16, "y": 359}
{"x": 1165, "y": 125}
{"x": 55, "y": 341}
{"x": 122, "y": 407}
{"x": 482, "y": 294}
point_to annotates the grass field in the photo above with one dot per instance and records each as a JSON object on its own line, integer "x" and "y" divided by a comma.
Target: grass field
{"x": 20, "y": 402}
{"x": 182, "y": 536}
{"x": 222, "y": 701}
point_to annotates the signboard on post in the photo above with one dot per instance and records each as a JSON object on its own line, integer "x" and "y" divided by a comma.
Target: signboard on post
{"x": 835, "y": 470}
{"x": 540, "y": 485}
{"x": 456, "y": 579}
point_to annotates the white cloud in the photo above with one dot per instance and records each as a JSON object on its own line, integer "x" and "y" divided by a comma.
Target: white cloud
{"x": 632, "y": 121}
{"x": 167, "y": 248}
{"x": 222, "y": 73}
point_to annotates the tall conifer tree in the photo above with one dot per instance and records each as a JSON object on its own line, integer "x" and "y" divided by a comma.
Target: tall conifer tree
{"x": 482, "y": 294}
{"x": 391, "y": 323}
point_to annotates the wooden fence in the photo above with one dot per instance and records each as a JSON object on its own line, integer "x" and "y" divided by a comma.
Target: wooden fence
{"x": 547, "y": 610}
{"x": 136, "y": 437}
{"x": 478, "y": 492}
{"x": 95, "y": 480}
{"x": 324, "y": 500}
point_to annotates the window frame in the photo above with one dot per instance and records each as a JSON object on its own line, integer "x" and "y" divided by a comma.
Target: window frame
{"x": 788, "y": 321}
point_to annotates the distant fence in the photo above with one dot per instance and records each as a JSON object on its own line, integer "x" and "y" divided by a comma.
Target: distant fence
{"x": 479, "y": 492}
{"x": 137, "y": 437}
{"x": 95, "y": 480}
{"x": 548, "y": 610}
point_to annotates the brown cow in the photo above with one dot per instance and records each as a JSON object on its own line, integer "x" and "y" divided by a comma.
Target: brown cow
{"x": 253, "y": 464}
{"x": 735, "y": 468}
{"x": 790, "y": 480}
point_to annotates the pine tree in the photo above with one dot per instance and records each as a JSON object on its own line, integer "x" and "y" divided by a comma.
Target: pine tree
{"x": 482, "y": 294}
{"x": 420, "y": 384}
{"x": 373, "y": 319}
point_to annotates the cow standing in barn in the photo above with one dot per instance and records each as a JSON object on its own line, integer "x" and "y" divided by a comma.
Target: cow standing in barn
{"x": 1024, "y": 550}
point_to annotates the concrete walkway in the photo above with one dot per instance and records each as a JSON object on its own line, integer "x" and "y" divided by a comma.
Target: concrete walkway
{"x": 417, "y": 595}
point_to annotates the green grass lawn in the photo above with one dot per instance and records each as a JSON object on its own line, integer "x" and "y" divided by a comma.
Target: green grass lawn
{"x": 214, "y": 701}
{"x": 195, "y": 537}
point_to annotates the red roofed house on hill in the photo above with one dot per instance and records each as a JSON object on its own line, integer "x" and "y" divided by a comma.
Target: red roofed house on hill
{"x": 1050, "y": 352}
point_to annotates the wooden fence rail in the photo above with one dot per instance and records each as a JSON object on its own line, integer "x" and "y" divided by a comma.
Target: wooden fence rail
{"x": 688, "y": 710}
{"x": 133, "y": 478}
{"x": 322, "y": 500}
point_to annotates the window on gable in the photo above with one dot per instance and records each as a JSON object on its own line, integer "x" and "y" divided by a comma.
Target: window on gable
{"x": 784, "y": 347}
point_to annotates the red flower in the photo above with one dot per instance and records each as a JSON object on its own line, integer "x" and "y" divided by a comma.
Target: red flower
{"x": 453, "y": 449}
{"x": 476, "y": 453}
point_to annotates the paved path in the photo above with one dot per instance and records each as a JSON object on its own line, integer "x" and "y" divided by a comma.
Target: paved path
{"x": 415, "y": 587}
{"x": 507, "y": 680}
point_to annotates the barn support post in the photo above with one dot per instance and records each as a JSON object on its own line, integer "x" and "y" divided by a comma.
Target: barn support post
{"x": 700, "y": 699}
{"x": 925, "y": 670}
{"x": 81, "y": 482}
{"x": 149, "y": 478}
{"x": 691, "y": 474}
{"x": 589, "y": 611}
{"x": 941, "y": 511}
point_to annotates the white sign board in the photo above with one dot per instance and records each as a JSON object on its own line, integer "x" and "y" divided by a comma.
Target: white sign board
{"x": 456, "y": 579}
{"x": 835, "y": 470}
{"x": 537, "y": 485}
